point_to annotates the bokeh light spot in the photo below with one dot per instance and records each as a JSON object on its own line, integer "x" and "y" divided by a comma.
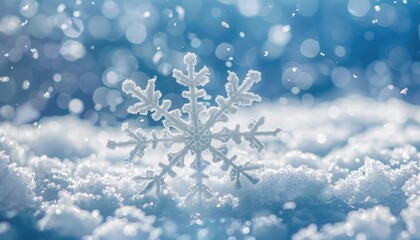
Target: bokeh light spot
{"x": 310, "y": 48}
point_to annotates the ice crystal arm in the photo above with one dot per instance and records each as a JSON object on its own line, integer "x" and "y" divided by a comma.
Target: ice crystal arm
{"x": 166, "y": 137}
{"x": 192, "y": 80}
{"x": 149, "y": 100}
{"x": 219, "y": 154}
{"x": 236, "y": 173}
{"x": 138, "y": 140}
{"x": 250, "y": 136}
{"x": 237, "y": 95}
{"x": 176, "y": 159}
{"x": 199, "y": 189}
{"x": 153, "y": 179}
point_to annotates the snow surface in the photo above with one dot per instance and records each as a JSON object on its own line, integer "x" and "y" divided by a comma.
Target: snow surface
{"x": 346, "y": 169}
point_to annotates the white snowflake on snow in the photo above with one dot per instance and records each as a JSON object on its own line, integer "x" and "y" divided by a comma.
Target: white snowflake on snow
{"x": 196, "y": 133}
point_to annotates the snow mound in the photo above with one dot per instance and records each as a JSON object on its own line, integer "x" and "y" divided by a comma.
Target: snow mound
{"x": 373, "y": 223}
{"x": 16, "y": 186}
{"x": 128, "y": 223}
{"x": 411, "y": 217}
{"x": 67, "y": 220}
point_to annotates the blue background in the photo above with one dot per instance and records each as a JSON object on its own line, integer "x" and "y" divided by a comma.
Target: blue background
{"x": 371, "y": 50}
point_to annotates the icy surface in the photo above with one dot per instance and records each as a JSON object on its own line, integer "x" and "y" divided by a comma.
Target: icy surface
{"x": 346, "y": 169}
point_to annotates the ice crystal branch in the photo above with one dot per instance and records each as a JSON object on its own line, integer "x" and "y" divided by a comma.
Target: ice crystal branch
{"x": 196, "y": 132}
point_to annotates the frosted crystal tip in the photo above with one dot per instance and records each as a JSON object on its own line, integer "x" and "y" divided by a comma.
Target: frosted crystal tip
{"x": 190, "y": 58}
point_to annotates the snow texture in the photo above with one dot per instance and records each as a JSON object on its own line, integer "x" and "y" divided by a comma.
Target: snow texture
{"x": 373, "y": 223}
{"x": 359, "y": 180}
{"x": 17, "y": 186}
{"x": 64, "y": 219}
{"x": 197, "y": 133}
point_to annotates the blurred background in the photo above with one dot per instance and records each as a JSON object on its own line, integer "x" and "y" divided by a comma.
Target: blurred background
{"x": 60, "y": 57}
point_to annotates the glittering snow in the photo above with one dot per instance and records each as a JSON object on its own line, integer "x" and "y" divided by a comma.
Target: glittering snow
{"x": 362, "y": 181}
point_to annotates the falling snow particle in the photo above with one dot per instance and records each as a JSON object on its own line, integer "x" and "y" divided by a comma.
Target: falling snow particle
{"x": 76, "y": 106}
{"x": 225, "y": 24}
{"x": 322, "y": 54}
{"x": 4, "y": 79}
{"x": 146, "y": 14}
{"x": 24, "y": 23}
{"x": 35, "y": 53}
{"x": 404, "y": 91}
{"x": 321, "y": 138}
{"x": 77, "y": 14}
{"x": 180, "y": 11}
{"x": 57, "y": 77}
{"x": 25, "y": 85}
{"x": 61, "y": 8}
{"x": 289, "y": 205}
{"x": 265, "y": 53}
{"x": 354, "y": 76}
{"x": 242, "y": 34}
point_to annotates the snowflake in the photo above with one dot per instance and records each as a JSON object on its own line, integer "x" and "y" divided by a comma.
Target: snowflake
{"x": 196, "y": 133}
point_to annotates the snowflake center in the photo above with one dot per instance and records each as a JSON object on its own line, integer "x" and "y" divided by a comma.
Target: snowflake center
{"x": 198, "y": 139}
